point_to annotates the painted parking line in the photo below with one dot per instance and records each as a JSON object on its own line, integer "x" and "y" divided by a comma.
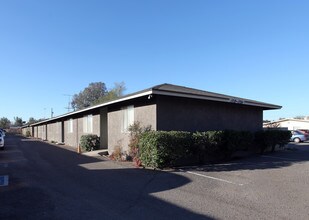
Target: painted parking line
{"x": 210, "y": 177}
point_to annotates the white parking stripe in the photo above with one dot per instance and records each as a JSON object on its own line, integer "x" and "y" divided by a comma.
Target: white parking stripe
{"x": 213, "y": 178}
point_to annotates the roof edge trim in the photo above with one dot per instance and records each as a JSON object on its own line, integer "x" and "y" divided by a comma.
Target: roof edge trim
{"x": 96, "y": 106}
{"x": 219, "y": 99}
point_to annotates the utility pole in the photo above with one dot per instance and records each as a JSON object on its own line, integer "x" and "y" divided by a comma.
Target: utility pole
{"x": 44, "y": 113}
{"x": 69, "y": 102}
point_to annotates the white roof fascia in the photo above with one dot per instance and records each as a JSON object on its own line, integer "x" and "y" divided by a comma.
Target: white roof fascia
{"x": 177, "y": 94}
{"x": 223, "y": 99}
{"x": 96, "y": 106}
{"x": 259, "y": 104}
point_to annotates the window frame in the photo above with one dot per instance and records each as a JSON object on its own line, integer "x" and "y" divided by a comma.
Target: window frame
{"x": 127, "y": 118}
{"x": 70, "y": 126}
{"x": 88, "y": 124}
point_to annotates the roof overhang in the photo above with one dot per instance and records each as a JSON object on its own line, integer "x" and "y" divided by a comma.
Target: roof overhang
{"x": 126, "y": 98}
{"x": 226, "y": 99}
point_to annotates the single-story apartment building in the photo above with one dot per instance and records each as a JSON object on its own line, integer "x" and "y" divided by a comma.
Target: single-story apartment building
{"x": 163, "y": 107}
{"x": 289, "y": 124}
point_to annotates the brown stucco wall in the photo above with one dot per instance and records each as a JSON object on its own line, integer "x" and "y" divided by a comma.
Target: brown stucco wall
{"x": 54, "y": 132}
{"x": 145, "y": 114}
{"x": 57, "y": 132}
{"x": 198, "y": 115}
{"x": 42, "y": 132}
{"x": 35, "y": 132}
{"x": 24, "y": 131}
{"x": 72, "y": 139}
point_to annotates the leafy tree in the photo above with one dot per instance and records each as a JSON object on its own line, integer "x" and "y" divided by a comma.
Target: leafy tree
{"x": 113, "y": 93}
{"x": 33, "y": 120}
{"x": 5, "y": 123}
{"x": 89, "y": 95}
{"x": 96, "y": 93}
{"x": 18, "y": 121}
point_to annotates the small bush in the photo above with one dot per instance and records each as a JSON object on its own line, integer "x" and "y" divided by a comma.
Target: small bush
{"x": 89, "y": 142}
{"x": 136, "y": 131}
{"x": 28, "y": 133}
{"x": 117, "y": 154}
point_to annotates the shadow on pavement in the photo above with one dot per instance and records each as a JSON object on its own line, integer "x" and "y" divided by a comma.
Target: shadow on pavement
{"x": 52, "y": 182}
{"x": 294, "y": 153}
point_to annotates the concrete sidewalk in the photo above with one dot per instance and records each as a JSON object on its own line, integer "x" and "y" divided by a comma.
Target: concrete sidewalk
{"x": 96, "y": 153}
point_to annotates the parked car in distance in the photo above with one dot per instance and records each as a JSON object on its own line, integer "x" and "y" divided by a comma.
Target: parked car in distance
{"x": 2, "y": 131}
{"x": 1, "y": 141}
{"x": 305, "y": 132}
{"x": 298, "y": 136}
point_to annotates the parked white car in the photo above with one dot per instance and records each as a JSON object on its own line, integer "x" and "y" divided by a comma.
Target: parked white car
{"x": 2, "y": 131}
{"x": 1, "y": 141}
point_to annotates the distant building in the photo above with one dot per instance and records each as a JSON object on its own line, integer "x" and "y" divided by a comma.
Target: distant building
{"x": 289, "y": 124}
{"x": 15, "y": 129}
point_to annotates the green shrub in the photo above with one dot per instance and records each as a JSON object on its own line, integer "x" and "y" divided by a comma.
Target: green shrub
{"x": 283, "y": 138}
{"x": 160, "y": 149}
{"x": 236, "y": 141}
{"x": 214, "y": 145}
{"x": 136, "y": 130}
{"x": 206, "y": 145}
{"x": 271, "y": 138}
{"x": 28, "y": 133}
{"x": 89, "y": 142}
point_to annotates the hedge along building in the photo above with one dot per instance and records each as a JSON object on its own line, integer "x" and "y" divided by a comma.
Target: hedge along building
{"x": 163, "y": 107}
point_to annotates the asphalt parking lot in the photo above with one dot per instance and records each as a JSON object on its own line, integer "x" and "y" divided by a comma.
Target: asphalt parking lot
{"x": 236, "y": 172}
{"x": 261, "y": 187}
{"x": 53, "y": 182}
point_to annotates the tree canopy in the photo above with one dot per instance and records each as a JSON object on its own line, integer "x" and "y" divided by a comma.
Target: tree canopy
{"x": 96, "y": 93}
{"x": 5, "y": 123}
{"x": 18, "y": 121}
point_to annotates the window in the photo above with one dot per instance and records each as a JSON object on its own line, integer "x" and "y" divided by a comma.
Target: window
{"x": 127, "y": 117}
{"x": 87, "y": 124}
{"x": 70, "y": 126}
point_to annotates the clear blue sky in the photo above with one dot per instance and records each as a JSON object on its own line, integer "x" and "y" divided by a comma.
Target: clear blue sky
{"x": 251, "y": 49}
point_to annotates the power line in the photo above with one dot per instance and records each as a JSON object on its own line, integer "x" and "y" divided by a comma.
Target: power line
{"x": 69, "y": 108}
